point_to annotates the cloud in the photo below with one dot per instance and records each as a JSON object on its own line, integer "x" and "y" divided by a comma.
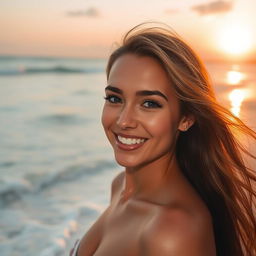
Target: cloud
{"x": 215, "y": 7}
{"x": 90, "y": 12}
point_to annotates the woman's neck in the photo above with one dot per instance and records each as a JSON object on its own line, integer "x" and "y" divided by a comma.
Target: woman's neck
{"x": 145, "y": 181}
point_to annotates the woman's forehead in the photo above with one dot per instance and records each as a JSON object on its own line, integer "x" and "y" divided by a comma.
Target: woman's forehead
{"x": 140, "y": 72}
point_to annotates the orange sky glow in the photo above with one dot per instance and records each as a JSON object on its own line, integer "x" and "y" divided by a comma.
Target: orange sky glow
{"x": 216, "y": 29}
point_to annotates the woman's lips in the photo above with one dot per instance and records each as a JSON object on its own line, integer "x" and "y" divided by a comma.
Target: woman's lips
{"x": 129, "y": 142}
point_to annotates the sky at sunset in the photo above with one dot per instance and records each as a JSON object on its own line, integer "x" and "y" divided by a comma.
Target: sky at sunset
{"x": 215, "y": 28}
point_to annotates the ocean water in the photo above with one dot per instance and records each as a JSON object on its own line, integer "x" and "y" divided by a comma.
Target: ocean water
{"x": 56, "y": 165}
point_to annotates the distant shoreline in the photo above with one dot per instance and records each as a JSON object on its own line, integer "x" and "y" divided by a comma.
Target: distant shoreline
{"x": 12, "y": 56}
{"x": 34, "y": 57}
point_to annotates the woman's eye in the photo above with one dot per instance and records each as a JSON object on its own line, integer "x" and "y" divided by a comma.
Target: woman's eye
{"x": 151, "y": 104}
{"x": 113, "y": 99}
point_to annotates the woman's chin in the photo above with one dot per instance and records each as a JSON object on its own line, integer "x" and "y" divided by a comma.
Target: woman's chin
{"x": 127, "y": 163}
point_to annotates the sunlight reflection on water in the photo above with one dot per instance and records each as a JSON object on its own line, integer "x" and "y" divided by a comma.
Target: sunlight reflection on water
{"x": 236, "y": 96}
{"x": 234, "y": 77}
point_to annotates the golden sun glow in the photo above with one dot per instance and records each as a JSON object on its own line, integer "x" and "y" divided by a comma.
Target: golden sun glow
{"x": 235, "y": 39}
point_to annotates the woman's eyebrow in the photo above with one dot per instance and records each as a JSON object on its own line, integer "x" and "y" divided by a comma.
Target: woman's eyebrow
{"x": 148, "y": 93}
{"x": 139, "y": 93}
{"x": 114, "y": 89}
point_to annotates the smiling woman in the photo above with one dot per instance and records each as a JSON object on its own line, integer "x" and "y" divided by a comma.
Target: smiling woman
{"x": 141, "y": 86}
{"x": 185, "y": 189}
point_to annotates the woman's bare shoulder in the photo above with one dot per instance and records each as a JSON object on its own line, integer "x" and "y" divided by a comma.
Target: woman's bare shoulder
{"x": 91, "y": 239}
{"x": 176, "y": 231}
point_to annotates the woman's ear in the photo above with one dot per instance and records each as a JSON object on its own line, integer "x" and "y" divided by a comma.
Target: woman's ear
{"x": 186, "y": 122}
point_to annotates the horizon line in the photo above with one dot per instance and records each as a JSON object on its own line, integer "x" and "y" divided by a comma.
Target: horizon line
{"x": 37, "y": 56}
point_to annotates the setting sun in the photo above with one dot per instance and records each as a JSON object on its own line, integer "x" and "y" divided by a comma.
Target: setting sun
{"x": 235, "y": 39}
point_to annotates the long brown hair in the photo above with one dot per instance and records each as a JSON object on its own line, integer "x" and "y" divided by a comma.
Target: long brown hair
{"x": 209, "y": 154}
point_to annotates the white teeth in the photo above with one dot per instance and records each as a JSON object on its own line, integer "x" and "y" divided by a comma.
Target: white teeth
{"x": 130, "y": 141}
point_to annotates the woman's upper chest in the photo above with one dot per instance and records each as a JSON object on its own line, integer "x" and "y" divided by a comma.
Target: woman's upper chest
{"x": 124, "y": 227}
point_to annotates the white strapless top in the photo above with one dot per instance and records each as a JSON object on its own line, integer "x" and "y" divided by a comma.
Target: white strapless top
{"x": 74, "y": 250}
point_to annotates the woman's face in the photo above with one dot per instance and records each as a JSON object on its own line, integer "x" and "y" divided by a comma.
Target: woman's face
{"x": 141, "y": 116}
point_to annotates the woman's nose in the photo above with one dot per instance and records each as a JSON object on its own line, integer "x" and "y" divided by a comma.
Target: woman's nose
{"x": 127, "y": 118}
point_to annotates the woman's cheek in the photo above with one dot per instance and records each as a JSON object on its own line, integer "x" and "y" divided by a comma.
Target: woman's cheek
{"x": 108, "y": 116}
{"x": 162, "y": 124}
{"x": 105, "y": 115}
